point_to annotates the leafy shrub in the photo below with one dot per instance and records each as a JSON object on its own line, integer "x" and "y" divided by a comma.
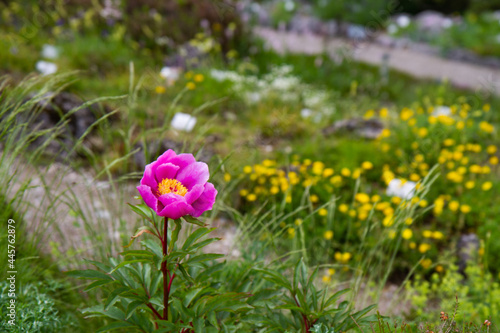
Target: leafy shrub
{"x": 36, "y": 309}
{"x": 478, "y": 295}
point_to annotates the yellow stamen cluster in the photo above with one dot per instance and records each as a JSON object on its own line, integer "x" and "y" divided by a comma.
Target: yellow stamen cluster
{"x": 171, "y": 186}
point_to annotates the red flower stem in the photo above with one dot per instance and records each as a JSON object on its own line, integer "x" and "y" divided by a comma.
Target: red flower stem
{"x": 165, "y": 272}
{"x": 155, "y": 313}
{"x": 170, "y": 283}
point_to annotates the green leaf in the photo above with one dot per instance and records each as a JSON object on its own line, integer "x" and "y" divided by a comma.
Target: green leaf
{"x": 185, "y": 274}
{"x": 203, "y": 243}
{"x": 292, "y": 307}
{"x": 112, "y": 312}
{"x": 96, "y": 284}
{"x": 132, "y": 306}
{"x": 197, "y": 234}
{"x": 263, "y": 296}
{"x": 114, "y": 296}
{"x": 143, "y": 210}
{"x": 190, "y": 295}
{"x": 128, "y": 262}
{"x": 363, "y": 312}
{"x": 203, "y": 257}
{"x": 178, "y": 255}
{"x": 154, "y": 246}
{"x": 137, "y": 253}
{"x": 155, "y": 283}
{"x": 212, "y": 319}
{"x": 275, "y": 278}
{"x": 100, "y": 265}
{"x": 115, "y": 326}
{"x": 334, "y": 297}
{"x": 175, "y": 233}
{"x": 157, "y": 301}
{"x": 192, "y": 220}
{"x": 89, "y": 274}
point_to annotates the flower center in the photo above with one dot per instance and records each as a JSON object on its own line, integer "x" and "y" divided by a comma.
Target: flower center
{"x": 171, "y": 186}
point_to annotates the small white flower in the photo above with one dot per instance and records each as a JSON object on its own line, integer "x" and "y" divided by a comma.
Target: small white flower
{"x": 183, "y": 122}
{"x": 50, "y": 51}
{"x": 447, "y": 23}
{"x": 402, "y": 190}
{"x": 403, "y": 21}
{"x": 392, "y": 29}
{"x": 45, "y": 67}
{"x": 171, "y": 74}
{"x": 306, "y": 113}
{"x": 289, "y": 5}
{"x": 441, "y": 111}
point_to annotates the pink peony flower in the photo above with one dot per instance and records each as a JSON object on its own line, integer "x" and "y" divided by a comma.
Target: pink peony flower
{"x": 176, "y": 185}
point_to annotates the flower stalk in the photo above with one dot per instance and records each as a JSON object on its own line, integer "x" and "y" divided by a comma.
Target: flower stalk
{"x": 165, "y": 272}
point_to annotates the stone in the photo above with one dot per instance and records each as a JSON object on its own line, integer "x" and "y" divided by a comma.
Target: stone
{"x": 52, "y": 109}
{"x": 364, "y": 128}
{"x": 467, "y": 250}
{"x": 430, "y": 20}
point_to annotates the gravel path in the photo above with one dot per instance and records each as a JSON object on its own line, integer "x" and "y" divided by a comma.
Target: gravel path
{"x": 419, "y": 65}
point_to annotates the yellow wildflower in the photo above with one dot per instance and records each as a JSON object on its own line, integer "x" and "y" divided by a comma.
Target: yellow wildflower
{"x": 383, "y": 113}
{"x": 426, "y": 263}
{"x": 343, "y": 208}
{"x": 437, "y": 235}
{"x": 362, "y": 197}
{"x": 422, "y": 132}
{"x": 487, "y": 186}
{"x": 427, "y": 234}
{"x": 407, "y": 233}
{"x": 345, "y": 172}
{"x": 160, "y": 90}
{"x": 424, "y": 247}
{"x": 328, "y": 235}
{"x": 367, "y": 165}
{"x": 465, "y": 209}
{"x": 251, "y": 197}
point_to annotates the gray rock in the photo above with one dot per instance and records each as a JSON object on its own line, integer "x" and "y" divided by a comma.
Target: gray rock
{"x": 52, "y": 110}
{"x": 430, "y": 20}
{"x": 364, "y": 128}
{"x": 305, "y": 24}
{"x": 467, "y": 249}
{"x": 357, "y": 32}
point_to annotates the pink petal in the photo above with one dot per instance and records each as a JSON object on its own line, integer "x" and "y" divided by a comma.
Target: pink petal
{"x": 169, "y": 198}
{"x": 176, "y": 210}
{"x": 194, "y": 193}
{"x": 148, "y": 178}
{"x": 205, "y": 201}
{"x": 193, "y": 174}
{"x": 148, "y": 197}
{"x": 166, "y": 157}
{"x": 183, "y": 160}
{"x": 167, "y": 170}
